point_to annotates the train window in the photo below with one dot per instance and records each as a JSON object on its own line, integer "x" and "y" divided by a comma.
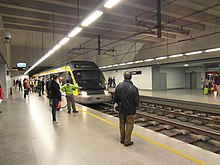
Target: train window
{"x": 90, "y": 79}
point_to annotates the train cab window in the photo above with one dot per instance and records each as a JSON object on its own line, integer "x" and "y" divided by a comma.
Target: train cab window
{"x": 89, "y": 79}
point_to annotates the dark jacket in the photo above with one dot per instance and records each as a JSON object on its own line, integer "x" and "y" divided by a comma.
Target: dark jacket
{"x": 127, "y": 97}
{"x": 217, "y": 80}
{"x": 55, "y": 90}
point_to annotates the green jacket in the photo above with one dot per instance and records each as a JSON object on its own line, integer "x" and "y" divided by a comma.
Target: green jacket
{"x": 69, "y": 89}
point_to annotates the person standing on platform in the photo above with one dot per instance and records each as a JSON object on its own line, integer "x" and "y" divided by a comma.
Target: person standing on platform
{"x": 48, "y": 90}
{"x": 39, "y": 87}
{"x": 113, "y": 82}
{"x": 217, "y": 82}
{"x": 25, "y": 87}
{"x": 55, "y": 96}
{"x": 20, "y": 85}
{"x": 68, "y": 89}
{"x": 1, "y": 95}
{"x": 43, "y": 84}
{"x": 127, "y": 99}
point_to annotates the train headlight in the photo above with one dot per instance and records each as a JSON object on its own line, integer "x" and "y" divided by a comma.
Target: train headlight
{"x": 83, "y": 93}
{"x": 106, "y": 92}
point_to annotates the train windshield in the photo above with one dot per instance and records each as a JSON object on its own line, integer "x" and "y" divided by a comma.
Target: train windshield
{"x": 90, "y": 79}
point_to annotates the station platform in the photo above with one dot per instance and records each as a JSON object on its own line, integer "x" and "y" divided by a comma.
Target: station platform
{"x": 192, "y": 95}
{"x": 29, "y": 137}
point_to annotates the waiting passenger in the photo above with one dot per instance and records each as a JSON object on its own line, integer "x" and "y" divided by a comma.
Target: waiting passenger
{"x": 1, "y": 94}
{"x": 127, "y": 99}
{"x": 68, "y": 89}
{"x": 48, "y": 90}
{"x": 217, "y": 82}
{"x": 55, "y": 96}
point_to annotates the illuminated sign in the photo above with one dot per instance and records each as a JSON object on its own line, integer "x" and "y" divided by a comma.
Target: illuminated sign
{"x": 83, "y": 66}
{"x": 21, "y": 65}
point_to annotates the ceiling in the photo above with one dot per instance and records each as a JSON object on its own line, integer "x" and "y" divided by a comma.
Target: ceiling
{"x": 36, "y": 25}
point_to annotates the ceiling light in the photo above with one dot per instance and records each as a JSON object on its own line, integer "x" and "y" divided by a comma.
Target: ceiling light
{"x": 192, "y": 53}
{"x": 91, "y": 18}
{"x": 176, "y": 55}
{"x": 110, "y": 3}
{"x": 104, "y": 67}
{"x": 129, "y": 63}
{"x": 115, "y": 65}
{"x": 109, "y": 66}
{"x": 150, "y": 59}
{"x": 186, "y": 64}
{"x": 56, "y": 47}
{"x": 122, "y": 64}
{"x": 64, "y": 40}
{"x": 74, "y": 32}
{"x": 212, "y": 50}
{"x": 140, "y": 61}
{"x": 161, "y": 58}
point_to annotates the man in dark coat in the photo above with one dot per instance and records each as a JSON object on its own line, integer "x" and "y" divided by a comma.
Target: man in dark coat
{"x": 55, "y": 96}
{"x": 127, "y": 99}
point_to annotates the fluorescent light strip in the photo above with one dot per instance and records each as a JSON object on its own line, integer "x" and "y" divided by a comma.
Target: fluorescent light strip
{"x": 64, "y": 40}
{"x": 140, "y": 61}
{"x": 122, "y": 64}
{"x": 192, "y": 53}
{"x": 147, "y": 60}
{"x": 129, "y": 63}
{"x": 91, "y": 18}
{"x": 109, "y": 66}
{"x": 161, "y": 58}
{"x": 186, "y": 64}
{"x": 74, "y": 32}
{"x": 56, "y": 47}
{"x": 212, "y": 50}
{"x": 115, "y": 65}
{"x": 110, "y": 3}
{"x": 176, "y": 55}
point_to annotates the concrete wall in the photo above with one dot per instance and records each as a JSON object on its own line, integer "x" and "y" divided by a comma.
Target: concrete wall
{"x": 175, "y": 77}
{"x": 142, "y": 81}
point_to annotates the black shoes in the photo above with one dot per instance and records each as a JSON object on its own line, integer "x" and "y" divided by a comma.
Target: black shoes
{"x": 122, "y": 141}
{"x": 75, "y": 111}
{"x": 128, "y": 144}
{"x": 69, "y": 112}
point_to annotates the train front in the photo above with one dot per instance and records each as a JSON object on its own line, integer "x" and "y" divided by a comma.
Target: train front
{"x": 92, "y": 82}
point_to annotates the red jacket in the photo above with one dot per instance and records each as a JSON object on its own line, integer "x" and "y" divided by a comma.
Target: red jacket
{"x": 1, "y": 94}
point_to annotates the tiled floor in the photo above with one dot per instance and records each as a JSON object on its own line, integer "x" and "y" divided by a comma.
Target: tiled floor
{"x": 28, "y": 137}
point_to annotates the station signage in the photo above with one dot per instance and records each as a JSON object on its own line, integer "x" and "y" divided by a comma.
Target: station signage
{"x": 135, "y": 72}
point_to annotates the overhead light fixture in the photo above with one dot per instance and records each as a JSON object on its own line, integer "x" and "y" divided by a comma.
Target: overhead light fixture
{"x": 104, "y": 67}
{"x": 64, "y": 40}
{"x": 56, "y": 47}
{"x": 129, "y": 63}
{"x": 110, "y": 3}
{"x": 192, "y": 53}
{"x": 109, "y": 66}
{"x": 150, "y": 59}
{"x": 74, "y": 32}
{"x": 140, "y": 61}
{"x": 122, "y": 64}
{"x": 175, "y": 55}
{"x": 186, "y": 64}
{"x": 115, "y": 65}
{"x": 161, "y": 58}
{"x": 212, "y": 50}
{"x": 92, "y": 18}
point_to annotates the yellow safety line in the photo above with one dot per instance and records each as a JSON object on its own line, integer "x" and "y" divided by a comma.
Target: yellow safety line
{"x": 149, "y": 140}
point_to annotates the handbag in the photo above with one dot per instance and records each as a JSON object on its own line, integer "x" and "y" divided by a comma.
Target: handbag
{"x": 59, "y": 105}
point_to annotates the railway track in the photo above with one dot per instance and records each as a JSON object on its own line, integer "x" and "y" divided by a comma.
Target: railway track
{"x": 157, "y": 118}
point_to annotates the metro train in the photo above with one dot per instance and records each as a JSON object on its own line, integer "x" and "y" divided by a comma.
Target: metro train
{"x": 87, "y": 76}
